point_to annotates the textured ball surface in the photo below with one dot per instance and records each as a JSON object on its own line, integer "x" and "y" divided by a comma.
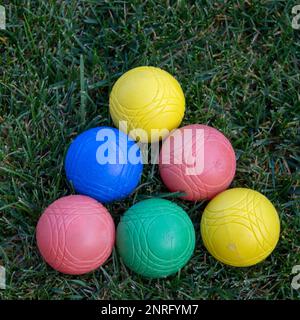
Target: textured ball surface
{"x": 240, "y": 227}
{"x": 147, "y": 98}
{"x": 111, "y": 178}
{"x": 197, "y": 160}
{"x": 155, "y": 238}
{"x": 75, "y": 234}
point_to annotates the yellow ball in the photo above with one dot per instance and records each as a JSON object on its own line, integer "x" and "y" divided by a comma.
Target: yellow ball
{"x": 147, "y": 98}
{"x": 240, "y": 227}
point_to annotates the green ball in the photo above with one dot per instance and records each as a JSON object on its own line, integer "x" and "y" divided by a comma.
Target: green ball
{"x": 155, "y": 238}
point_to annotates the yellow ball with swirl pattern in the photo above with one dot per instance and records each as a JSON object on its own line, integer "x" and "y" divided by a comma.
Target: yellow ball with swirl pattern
{"x": 148, "y": 101}
{"x": 240, "y": 227}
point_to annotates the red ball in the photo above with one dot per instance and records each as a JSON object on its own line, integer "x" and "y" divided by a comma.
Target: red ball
{"x": 75, "y": 234}
{"x": 197, "y": 160}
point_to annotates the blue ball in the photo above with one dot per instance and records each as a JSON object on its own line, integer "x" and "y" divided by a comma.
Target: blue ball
{"x": 104, "y": 163}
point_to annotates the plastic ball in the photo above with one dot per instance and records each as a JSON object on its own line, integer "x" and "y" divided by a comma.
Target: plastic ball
{"x": 75, "y": 234}
{"x": 104, "y": 163}
{"x": 147, "y": 98}
{"x": 155, "y": 238}
{"x": 240, "y": 227}
{"x": 198, "y": 161}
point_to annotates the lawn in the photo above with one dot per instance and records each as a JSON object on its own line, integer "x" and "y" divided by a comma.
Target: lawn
{"x": 238, "y": 64}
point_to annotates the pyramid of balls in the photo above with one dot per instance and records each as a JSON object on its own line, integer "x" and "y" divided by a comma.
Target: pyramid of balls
{"x": 155, "y": 237}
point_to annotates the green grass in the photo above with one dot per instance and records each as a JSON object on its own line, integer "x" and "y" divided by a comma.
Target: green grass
{"x": 238, "y": 63}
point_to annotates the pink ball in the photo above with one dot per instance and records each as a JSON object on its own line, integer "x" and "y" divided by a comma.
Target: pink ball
{"x": 75, "y": 234}
{"x": 197, "y": 160}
